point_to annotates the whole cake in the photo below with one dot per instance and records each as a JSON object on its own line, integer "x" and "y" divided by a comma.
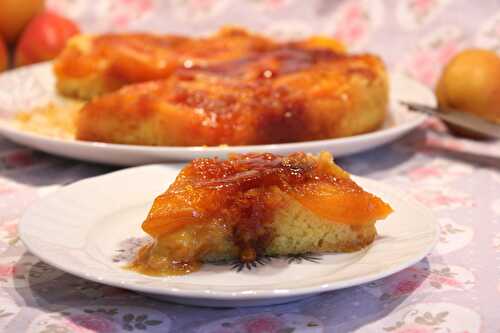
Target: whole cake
{"x": 256, "y": 204}
{"x": 231, "y": 88}
{"x": 289, "y": 94}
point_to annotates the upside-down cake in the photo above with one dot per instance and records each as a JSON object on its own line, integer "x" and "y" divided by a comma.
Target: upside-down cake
{"x": 286, "y": 95}
{"x": 257, "y": 204}
{"x": 232, "y": 88}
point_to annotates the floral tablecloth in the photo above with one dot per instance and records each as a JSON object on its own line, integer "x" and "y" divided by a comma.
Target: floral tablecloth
{"x": 456, "y": 289}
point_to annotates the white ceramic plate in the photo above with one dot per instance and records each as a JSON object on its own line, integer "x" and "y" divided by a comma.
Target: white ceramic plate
{"x": 31, "y": 86}
{"x": 82, "y": 228}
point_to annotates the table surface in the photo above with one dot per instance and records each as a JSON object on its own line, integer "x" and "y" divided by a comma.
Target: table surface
{"x": 456, "y": 289}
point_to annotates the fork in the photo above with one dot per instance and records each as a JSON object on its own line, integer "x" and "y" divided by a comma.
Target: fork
{"x": 462, "y": 119}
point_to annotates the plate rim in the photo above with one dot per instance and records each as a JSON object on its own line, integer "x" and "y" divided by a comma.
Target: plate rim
{"x": 214, "y": 294}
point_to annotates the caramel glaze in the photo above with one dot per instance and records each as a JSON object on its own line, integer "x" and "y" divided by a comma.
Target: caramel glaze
{"x": 244, "y": 112}
{"x": 239, "y": 194}
{"x": 133, "y": 58}
{"x": 281, "y": 60}
{"x": 250, "y": 98}
{"x": 130, "y": 58}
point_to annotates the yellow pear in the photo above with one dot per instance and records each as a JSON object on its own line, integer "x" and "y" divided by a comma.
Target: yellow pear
{"x": 470, "y": 82}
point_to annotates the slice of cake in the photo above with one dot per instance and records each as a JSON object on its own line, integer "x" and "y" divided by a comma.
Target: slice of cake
{"x": 257, "y": 204}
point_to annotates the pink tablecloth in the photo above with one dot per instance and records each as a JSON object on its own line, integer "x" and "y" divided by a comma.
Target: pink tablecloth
{"x": 456, "y": 289}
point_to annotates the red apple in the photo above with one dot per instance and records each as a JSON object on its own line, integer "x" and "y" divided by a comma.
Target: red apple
{"x": 3, "y": 55}
{"x": 15, "y": 14}
{"x": 44, "y": 38}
